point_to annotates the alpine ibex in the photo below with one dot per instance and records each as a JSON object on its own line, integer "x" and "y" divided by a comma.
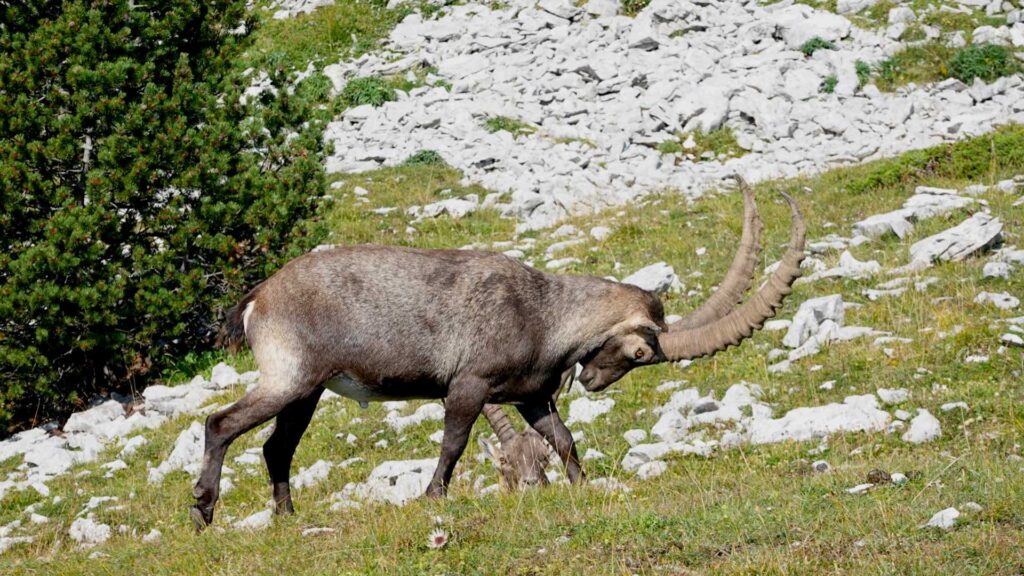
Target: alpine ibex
{"x": 521, "y": 457}
{"x": 382, "y": 323}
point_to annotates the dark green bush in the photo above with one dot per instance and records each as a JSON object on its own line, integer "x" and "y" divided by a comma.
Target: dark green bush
{"x": 815, "y": 44}
{"x": 986, "y": 61}
{"x": 425, "y": 158}
{"x": 138, "y": 196}
{"x": 370, "y": 90}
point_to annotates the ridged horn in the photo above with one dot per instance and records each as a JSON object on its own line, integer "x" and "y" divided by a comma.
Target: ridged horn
{"x": 741, "y": 272}
{"x": 500, "y": 422}
{"x": 742, "y": 322}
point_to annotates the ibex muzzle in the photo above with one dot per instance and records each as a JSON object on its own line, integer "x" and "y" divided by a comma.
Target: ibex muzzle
{"x": 381, "y": 323}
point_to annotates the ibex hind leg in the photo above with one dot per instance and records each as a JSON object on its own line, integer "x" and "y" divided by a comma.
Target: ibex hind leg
{"x": 543, "y": 417}
{"x": 264, "y": 402}
{"x": 279, "y": 449}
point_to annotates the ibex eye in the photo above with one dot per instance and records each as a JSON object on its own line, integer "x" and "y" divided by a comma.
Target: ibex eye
{"x": 639, "y": 353}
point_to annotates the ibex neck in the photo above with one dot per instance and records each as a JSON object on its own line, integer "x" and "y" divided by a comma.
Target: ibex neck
{"x": 589, "y": 308}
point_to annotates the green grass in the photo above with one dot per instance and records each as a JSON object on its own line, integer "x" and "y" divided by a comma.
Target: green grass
{"x": 511, "y": 125}
{"x": 633, "y": 7}
{"x": 926, "y": 62}
{"x": 754, "y": 510}
{"x": 828, "y": 85}
{"x": 718, "y": 144}
{"x": 815, "y": 44}
{"x": 933, "y": 61}
{"x": 342, "y": 29}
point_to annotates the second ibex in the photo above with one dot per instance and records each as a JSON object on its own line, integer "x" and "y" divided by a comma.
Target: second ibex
{"x": 385, "y": 323}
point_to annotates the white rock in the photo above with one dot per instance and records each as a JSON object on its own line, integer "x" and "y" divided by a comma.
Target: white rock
{"x": 860, "y": 488}
{"x": 658, "y": 278}
{"x": 671, "y": 427}
{"x": 600, "y": 233}
{"x": 890, "y": 396}
{"x": 7, "y": 541}
{"x": 809, "y": 317}
{"x": 923, "y": 428}
{"x": 89, "y": 419}
{"x": 259, "y": 521}
{"x": 852, "y": 6}
{"x": 944, "y": 519}
{"x": 88, "y": 533}
{"x": 855, "y": 414}
{"x": 879, "y": 225}
{"x": 996, "y": 270}
{"x": 592, "y": 454}
{"x": 950, "y": 406}
{"x": 152, "y": 536}
{"x": 316, "y": 473}
{"x": 1011, "y": 340}
{"x": 901, "y": 15}
{"x": 395, "y": 481}
{"x": 651, "y": 470}
{"x": 223, "y": 376}
{"x": 583, "y": 410}
{"x": 1001, "y": 300}
{"x": 972, "y": 235}
{"x": 635, "y": 436}
{"x": 430, "y": 412}
{"x": 131, "y": 445}
{"x": 187, "y": 454}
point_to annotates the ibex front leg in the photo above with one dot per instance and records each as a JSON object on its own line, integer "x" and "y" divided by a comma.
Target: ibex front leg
{"x": 466, "y": 398}
{"x": 543, "y": 417}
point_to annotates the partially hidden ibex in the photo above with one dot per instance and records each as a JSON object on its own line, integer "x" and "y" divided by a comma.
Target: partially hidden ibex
{"x": 386, "y": 323}
{"x": 520, "y": 457}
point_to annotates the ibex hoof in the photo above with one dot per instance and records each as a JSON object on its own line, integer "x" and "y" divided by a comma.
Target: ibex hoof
{"x": 199, "y": 520}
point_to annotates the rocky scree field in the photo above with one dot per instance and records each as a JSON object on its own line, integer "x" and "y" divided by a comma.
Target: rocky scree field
{"x": 874, "y": 427}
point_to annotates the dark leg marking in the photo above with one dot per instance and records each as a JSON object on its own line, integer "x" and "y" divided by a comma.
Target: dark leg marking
{"x": 280, "y": 447}
{"x": 543, "y": 417}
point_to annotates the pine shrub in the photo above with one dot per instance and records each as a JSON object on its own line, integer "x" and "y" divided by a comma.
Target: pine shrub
{"x": 138, "y": 194}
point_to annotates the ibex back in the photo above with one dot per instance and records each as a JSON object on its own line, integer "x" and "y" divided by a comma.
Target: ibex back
{"x": 385, "y": 323}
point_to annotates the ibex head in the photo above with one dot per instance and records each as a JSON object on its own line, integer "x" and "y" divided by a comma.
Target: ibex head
{"x": 521, "y": 459}
{"x": 644, "y": 339}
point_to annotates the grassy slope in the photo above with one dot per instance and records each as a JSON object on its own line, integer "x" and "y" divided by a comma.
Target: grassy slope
{"x": 754, "y": 510}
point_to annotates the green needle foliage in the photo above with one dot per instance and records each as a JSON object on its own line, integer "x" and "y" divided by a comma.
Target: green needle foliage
{"x": 138, "y": 195}
{"x": 815, "y": 44}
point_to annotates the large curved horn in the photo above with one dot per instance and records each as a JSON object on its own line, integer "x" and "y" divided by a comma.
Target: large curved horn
{"x": 741, "y": 272}
{"x": 743, "y": 321}
{"x": 500, "y": 422}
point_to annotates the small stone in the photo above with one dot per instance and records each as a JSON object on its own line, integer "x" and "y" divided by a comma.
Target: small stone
{"x": 820, "y": 466}
{"x": 879, "y": 476}
{"x": 893, "y": 396}
{"x": 1001, "y": 300}
{"x": 651, "y": 470}
{"x": 635, "y": 436}
{"x": 923, "y": 428}
{"x": 944, "y": 519}
{"x": 860, "y": 488}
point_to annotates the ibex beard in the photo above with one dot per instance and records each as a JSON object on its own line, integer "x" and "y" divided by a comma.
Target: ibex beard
{"x": 387, "y": 323}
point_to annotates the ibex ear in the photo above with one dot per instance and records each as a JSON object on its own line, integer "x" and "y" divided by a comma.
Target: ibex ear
{"x": 650, "y": 328}
{"x": 491, "y": 450}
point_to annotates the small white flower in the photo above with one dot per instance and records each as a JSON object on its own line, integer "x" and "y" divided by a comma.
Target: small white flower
{"x": 437, "y": 539}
